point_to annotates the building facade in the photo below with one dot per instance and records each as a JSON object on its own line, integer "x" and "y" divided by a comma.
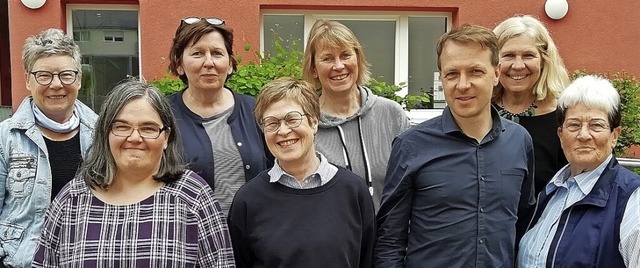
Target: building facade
{"x": 122, "y": 38}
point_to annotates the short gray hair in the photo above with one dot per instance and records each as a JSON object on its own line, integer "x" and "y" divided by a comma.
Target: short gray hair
{"x": 50, "y": 42}
{"x": 593, "y": 92}
{"x": 100, "y": 167}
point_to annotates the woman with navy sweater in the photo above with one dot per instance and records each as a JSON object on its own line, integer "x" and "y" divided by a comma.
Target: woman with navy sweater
{"x": 303, "y": 212}
{"x": 220, "y": 137}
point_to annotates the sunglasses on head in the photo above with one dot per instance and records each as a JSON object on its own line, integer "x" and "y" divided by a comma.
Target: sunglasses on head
{"x": 212, "y": 21}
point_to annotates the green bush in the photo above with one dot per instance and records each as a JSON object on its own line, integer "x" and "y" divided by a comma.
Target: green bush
{"x": 286, "y": 61}
{"x": 389, "y": 91}
{"x": 168, "y": 84}
{"x": 250, "y": 78}
{"x": 629, "y": 90}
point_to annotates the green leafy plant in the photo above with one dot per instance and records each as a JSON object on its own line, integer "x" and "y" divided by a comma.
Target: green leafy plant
{"x": 389, "y": 91}
{"x": 629, "y": 90}
{"x": 168, "y": 84}
{"x": 286, "y": 61}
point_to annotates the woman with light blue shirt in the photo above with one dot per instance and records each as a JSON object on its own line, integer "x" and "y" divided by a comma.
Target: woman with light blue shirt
{"x": 42, "y": 144}
{"x": 589, "y": 214}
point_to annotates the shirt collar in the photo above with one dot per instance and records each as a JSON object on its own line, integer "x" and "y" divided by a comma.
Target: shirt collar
{"x": 585, "y": 180}
{"x": 449, "y": 124}
{"x": 325, "y": 170}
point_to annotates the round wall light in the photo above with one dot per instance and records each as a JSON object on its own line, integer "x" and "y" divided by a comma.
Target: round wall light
{"x": 556, "y": 9}
{"x": 33, "y": 4}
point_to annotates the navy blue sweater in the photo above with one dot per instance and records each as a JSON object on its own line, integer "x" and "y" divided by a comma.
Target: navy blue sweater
{"x": 333, "y": 225}
{"x": 246, "y": 133}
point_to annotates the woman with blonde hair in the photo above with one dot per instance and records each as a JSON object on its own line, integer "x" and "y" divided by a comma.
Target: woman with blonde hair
{"x": 356, "y": 127}
{"x": 532, "y": 75}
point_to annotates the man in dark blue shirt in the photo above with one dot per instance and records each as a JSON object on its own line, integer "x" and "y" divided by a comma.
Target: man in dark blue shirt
{"x": 456, "y": 184}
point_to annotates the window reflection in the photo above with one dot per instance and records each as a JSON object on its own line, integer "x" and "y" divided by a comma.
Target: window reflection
{"x": 108, "y": 41}
{"x": 394, "y": 59}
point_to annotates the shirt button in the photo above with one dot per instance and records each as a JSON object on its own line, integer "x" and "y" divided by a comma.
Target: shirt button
{"x": 239, "y": 143}
{"x": 482, "y": 178}
{"x": 247, "y": 167}
{"x": 481, "y": 241}
{"x": 481, "y": 209}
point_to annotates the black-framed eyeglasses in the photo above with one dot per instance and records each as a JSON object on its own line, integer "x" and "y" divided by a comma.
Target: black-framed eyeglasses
{"x": 212, "y": 21}
{"x": 145, "y": 131}
{"x": 292, "y": 119}
{"x": 45, "y": 78}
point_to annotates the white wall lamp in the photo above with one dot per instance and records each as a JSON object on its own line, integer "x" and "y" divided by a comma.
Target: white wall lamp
{"x": 33, "y": 4}
{"x": 556, "y": 9}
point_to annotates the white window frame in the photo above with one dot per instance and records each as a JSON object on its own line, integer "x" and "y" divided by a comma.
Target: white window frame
{"x": 401, "y": 72}
{"x": 113, "y": 36}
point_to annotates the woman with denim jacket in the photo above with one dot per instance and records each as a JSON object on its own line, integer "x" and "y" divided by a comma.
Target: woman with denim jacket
{"x": 42, "y": 144}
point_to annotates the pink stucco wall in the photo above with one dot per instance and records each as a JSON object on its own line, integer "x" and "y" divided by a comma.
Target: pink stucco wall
{"x": 596, "y": 35}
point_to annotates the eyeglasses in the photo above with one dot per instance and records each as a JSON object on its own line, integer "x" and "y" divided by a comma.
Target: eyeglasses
{"x": 212, "y": 21}
{"x": 595, "y": 126}
{"x": 292, "y": 119}
{"x": 45, "y": 78}
{"x": 146, "y": 131}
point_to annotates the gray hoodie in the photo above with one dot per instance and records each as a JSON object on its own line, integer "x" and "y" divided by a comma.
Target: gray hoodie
{"x": 362, "y": 142}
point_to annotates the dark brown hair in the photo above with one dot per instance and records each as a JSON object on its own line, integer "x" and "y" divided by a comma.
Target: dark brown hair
{"x": 188, "y": 34}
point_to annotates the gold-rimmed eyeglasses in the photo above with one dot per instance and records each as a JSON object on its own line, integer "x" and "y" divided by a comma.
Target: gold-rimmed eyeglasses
{"x": 292, "y": 119}
{"x": 594, "y": 126}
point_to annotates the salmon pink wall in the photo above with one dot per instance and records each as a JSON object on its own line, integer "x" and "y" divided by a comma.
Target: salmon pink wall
{"x": 596, "y": 35}
{"x": 24, "y": 22}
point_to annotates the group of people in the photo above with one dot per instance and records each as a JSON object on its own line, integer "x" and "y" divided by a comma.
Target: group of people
{"x": 320, "y": 172}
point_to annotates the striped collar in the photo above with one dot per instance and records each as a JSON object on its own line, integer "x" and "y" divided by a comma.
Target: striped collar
{"x": 325, "y": 170}
{"x": 585, "y": 180}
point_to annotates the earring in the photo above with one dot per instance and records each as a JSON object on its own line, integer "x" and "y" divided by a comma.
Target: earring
{"x": 315, "y": 75}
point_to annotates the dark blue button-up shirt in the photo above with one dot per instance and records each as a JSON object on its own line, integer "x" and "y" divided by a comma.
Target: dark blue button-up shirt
{"x": 450, "y": 201}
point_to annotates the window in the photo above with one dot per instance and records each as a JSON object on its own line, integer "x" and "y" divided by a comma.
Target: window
{"x": 113, "y": 36}
{"x": 112, "y": 55}
{"x": 401, "y": 46}
{"x": 81, "y": 36}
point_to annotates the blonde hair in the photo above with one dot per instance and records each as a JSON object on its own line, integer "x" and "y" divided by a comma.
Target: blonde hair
{"x": 553, "y": 77}
{"x": 287, "y": 88}
{"x": 327, "y": 33}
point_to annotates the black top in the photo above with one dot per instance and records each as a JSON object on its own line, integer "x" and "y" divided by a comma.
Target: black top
{"x": 64, "y": 159}
{"x": 333, "y": 225}
{"x": 546, "y": 147}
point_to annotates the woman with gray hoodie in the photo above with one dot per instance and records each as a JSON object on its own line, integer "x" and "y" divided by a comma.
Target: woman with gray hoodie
{"x": 356, "y": 127}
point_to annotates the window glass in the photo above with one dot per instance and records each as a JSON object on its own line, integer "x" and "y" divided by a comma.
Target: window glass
{"x": 110, "y": 53}
{"x": 401, "y": 48}
{"x": 81, "y": 36}
{"x": 378, "y": 39}
{"x": 113, "y": 36}
{"x": 423, "y": 58}
{"x": 287, "y": 27}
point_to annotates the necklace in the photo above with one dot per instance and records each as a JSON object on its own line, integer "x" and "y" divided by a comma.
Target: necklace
{"x": 530, "y": 111}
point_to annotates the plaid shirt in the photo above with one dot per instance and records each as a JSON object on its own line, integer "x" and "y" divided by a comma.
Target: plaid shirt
{"x": 181, "y": 225}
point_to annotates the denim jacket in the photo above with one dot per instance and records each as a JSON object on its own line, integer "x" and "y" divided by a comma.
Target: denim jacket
{"x": 25, "y": 181}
